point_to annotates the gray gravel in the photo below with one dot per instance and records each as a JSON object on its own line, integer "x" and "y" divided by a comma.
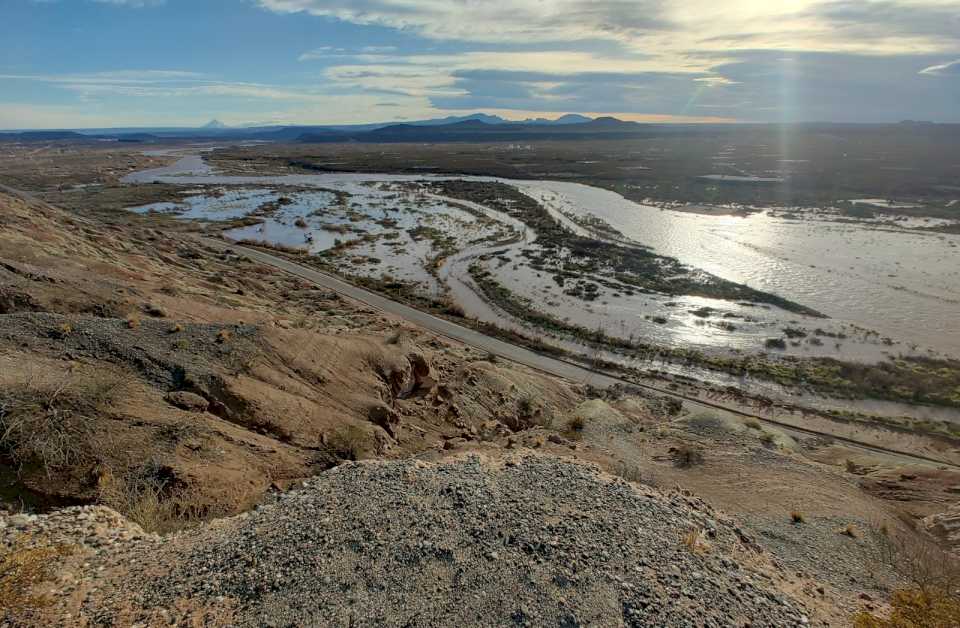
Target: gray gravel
{"x": 529, "y": 541}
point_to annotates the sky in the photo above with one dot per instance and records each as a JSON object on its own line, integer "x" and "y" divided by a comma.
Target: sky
{"x": 108, "y": 63}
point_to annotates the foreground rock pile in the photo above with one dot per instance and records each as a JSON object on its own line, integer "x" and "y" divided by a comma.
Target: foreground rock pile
{"x": 528, "y": 540}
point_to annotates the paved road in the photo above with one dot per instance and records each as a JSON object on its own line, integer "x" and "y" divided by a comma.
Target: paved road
{"x": 532, "y": 359}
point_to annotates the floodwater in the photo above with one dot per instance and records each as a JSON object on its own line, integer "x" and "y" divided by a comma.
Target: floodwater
{"x": 902, "y": 284}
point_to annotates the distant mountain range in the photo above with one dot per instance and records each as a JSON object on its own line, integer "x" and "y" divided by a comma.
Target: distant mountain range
{"x": 477, "y": 127}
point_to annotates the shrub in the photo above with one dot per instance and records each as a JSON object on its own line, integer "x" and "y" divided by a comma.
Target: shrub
{"x": 176, "y": 329}
{"x": 931, "y": 607}
{"x": 576, "y": 423}
{"x": 223, "y": 336}
{"x": 347, "y": 442}
{"x": 775, "y": 343}
{"x": 147, "y": 496}
{"x": 753, "y": 424}
{"x": 768, "y": 439}
{"x": 454, "y": 309}
{"x": 133, "y": 321}
{"x": 797, "y": 517}
{"x": 50, "y": 422}
{"x": 686, "y": 456}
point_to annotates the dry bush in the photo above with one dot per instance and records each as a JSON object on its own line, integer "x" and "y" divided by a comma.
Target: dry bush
{"x": 695, "y": 541}
{"x": 50, "y": 422}
{"x": 176, "y": 329}
{"x": 223, "y": 336}
{"x": 149, "y": 497}
{"x": 849, "y": 530}
{"x": 348, "y": 442}
{"x": 576, "y": 423}
{"x": 627, "y": 471}
{"x": 686, "y": 456}
{"x": 23, "y": 567}
{"x": 930, "y": 593}
{"x": 133, "y": 321}
{"x": 753, "y": 424}
{"x": 451, "y": 308}
{"x": 797, "y": 517}
{"x": 916, "y": 608}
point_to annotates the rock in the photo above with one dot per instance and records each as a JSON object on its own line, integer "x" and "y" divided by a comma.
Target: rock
{"x": 386, "y": 417}
{"x": 189, "y": 401}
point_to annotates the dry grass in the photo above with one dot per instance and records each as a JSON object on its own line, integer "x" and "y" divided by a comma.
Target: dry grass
{"x": 627, "y": 471}
{"x": 576, "y": 423}
{"x": 695, "y": 541}
{"x": 348, "y": 442}
{"x": 149, "y": 497}
{"x": 176, "y": 329}
{"x": 49, "y": 421}
{"x": 850, "y": 530}
{"x": 223, "y": 336}
{"x": 797, "y": 517}
{"x": 23, "y": 568}
{"x": 916, "y": 608}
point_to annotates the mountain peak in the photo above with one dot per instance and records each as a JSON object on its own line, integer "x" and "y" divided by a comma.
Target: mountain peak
{"x": 214, "y": 124}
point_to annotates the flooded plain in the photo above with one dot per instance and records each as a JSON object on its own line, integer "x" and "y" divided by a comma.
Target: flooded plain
{"x": 886, "y": 291}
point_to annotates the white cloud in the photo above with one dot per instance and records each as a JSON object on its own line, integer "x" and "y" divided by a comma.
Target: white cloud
{"x": 941, "y": 69}
{"x": 671, "y": 31}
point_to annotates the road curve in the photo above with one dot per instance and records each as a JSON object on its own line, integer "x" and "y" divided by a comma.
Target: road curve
{"x": 526, "y": 357}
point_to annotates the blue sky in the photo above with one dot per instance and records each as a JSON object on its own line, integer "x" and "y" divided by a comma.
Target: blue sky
{"x": 93, "y": 63}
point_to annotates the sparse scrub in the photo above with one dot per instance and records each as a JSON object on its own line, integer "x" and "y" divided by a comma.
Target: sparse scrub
{"x": 50, "y": 422}
{"x": 695, "y": 541}
{"x": 148, "y": 497}
{"x": 454, "y": 309}
{"x": 753, "y": 424}
{"x": 576, "y": 423}
{"x": 347, "y": 442}
{"x": 797, "y": 517}
{"x": 916, "y": 608}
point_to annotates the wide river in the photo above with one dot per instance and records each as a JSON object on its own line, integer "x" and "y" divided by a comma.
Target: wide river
{"x": 902, "y": 284}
